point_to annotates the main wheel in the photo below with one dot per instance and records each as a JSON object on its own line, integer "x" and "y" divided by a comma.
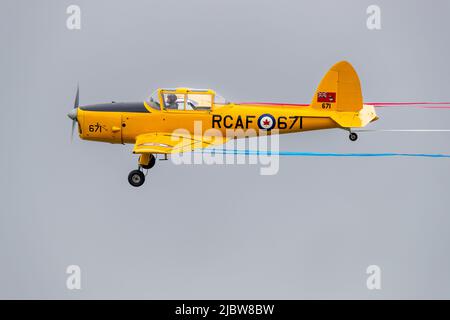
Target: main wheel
{"x": 353, "y": 136}
{"x": 136, "y": 178}
{"x": 151, "y": 163}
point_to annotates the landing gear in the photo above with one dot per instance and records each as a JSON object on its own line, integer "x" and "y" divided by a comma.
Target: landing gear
{"x": 136, "y": 178}
{"x": 353, "y": 136}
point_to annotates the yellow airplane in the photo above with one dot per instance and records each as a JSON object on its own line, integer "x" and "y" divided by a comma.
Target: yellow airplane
{"x": 153, "y": 125}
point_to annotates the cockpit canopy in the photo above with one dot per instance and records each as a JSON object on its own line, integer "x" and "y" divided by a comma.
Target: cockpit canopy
{"x": 186, "y": 99}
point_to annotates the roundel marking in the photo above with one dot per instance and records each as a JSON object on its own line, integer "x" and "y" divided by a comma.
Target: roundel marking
{"x": 266, "y": 122}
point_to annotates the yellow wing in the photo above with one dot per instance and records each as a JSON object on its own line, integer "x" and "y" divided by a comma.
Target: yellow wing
{"x": 164, "y": 143}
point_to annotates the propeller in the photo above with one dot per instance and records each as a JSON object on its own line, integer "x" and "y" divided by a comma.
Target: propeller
{"x": 73, "y": 113}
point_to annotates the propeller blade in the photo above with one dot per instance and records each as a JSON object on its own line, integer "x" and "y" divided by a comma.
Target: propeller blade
{"x": 77, "y": 98}
{"x": 73, "y": 128}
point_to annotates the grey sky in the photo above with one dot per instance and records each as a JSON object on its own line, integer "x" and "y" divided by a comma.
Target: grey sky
{"x": 222, "y": 231}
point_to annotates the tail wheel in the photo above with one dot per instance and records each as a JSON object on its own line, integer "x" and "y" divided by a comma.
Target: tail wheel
{"x": 353, "y": 136}
{"x": 136, "y": 178}
{"x": 151, "y": 163}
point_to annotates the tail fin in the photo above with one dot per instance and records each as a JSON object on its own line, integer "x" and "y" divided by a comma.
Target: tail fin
{"x": 339, "y": 90}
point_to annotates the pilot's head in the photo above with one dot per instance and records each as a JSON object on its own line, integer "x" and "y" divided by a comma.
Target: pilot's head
{"x": 171, "y": 98}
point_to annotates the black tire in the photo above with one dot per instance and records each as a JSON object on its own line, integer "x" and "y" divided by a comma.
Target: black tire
{"x": 353, "y": 136}
{"x": 136, "y": 178}
{"x": 151, "y": 163}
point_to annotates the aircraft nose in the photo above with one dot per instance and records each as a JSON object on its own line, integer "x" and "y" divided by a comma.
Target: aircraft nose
{"x": 73, "y": 114}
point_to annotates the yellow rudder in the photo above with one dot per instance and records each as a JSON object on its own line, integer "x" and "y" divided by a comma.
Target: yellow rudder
{"x": 339, "y": 90}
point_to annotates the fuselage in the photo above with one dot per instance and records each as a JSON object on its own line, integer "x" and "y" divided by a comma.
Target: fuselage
{"x": 123, "y": 122}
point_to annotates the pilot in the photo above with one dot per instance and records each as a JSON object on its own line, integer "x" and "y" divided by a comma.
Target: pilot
{"x": 171, "y": 102}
